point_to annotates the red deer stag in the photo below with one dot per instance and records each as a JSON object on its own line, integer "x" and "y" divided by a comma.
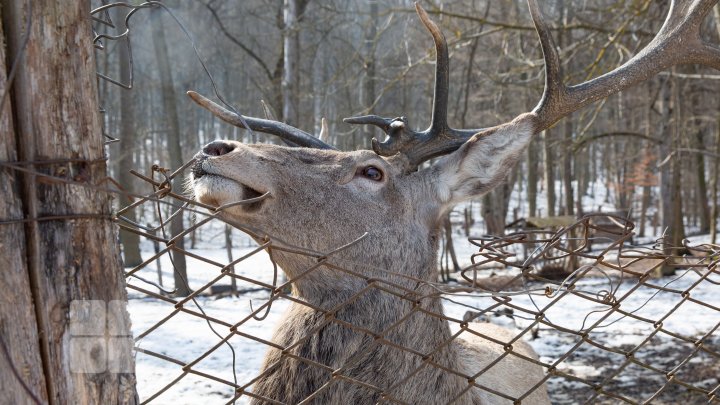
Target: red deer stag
{"x": 349, "y": 342}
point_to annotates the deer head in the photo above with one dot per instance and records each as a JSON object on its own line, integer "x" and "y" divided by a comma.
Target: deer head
{"x": 320, "y": 198}
{"x": 324, "y": 199}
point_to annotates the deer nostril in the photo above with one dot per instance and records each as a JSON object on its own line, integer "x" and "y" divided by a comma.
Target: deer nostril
{"x": 218, "y": 148}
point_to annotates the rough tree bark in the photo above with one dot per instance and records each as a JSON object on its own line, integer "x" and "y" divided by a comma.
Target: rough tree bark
{"x": 20, "y": 338}
{"x": 59, "y": 245}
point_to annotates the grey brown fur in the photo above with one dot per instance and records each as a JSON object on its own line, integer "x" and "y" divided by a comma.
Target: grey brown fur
{"x": 319, "y": 200}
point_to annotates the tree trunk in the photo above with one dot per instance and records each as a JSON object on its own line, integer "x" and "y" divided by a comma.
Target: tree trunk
{"x": 716, "y": 170}
{"x": 646, "y": 175}
{"x": 678, "y": 224}
{"x": 492, "y": 214}
{"x": 468, "y": 79}
{"x": 548, "y": 173}
{"x": 16, "y": 302}
{"x": 665, "y": 208}
{"x": 368, "y": 86}
{"x": 450, "y": 247}
{"x": 60, "y": 250}
{"x": 620, "y": 168}
{"x": 567, "y": 169}
{"x": 468, "y": 220}
{"x": 716, "y": 163}
{"x": 565, "y": 38}
{"x": 532, "y": 178}
{"x": 290, "y": 85}
{"x": 644, "y": 204}
{"x": 169, "y": 99}
{"x": 669, "y": 175}
{"x": 130, "y": 241}
{"x": 702, "y": 196}
{"x": 228, "y": 249}
{"x": 581, "y": 174}
{"x": 495, "y": 205}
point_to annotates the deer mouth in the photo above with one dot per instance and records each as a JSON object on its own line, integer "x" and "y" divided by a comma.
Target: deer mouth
{"x": 249, "y": 192}
{"x": 217, "y": 190}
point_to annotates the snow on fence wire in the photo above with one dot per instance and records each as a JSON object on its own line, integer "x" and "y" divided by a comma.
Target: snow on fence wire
{"x": 611, "y": 331}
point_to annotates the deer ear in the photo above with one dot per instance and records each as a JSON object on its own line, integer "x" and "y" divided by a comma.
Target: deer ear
{"x": 482, "y": 162}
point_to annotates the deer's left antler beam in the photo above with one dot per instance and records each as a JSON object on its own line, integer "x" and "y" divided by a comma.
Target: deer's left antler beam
{"x": 286, "y": 132}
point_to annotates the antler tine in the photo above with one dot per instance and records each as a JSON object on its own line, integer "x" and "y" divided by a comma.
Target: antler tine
{"x": 286, "y": 132}
{"x": 442, "y": 72}
{"x": 380, "y": 122}
{"x": 677, "y": 42}
{"x": 324, "y": 130}
{"x": 554, "y": 87}
{"x": 439, "y": 139}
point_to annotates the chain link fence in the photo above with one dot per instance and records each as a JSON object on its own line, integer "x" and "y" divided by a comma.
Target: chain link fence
{"x": 609, "y": 331}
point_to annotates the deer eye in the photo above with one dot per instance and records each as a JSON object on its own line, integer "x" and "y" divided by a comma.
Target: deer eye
{"x": 372, "y": 173}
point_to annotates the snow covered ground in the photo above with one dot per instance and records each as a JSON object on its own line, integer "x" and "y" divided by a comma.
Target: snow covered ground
{"x": 186, "y": 337}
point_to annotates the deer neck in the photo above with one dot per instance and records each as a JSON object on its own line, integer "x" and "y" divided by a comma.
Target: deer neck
{"x": 374, "y": 337}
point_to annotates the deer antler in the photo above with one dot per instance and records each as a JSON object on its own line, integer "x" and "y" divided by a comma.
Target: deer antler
{"x": 439, "y": 139}
{"x": 677, "y": 42}
{"x": 288, "y": 133}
